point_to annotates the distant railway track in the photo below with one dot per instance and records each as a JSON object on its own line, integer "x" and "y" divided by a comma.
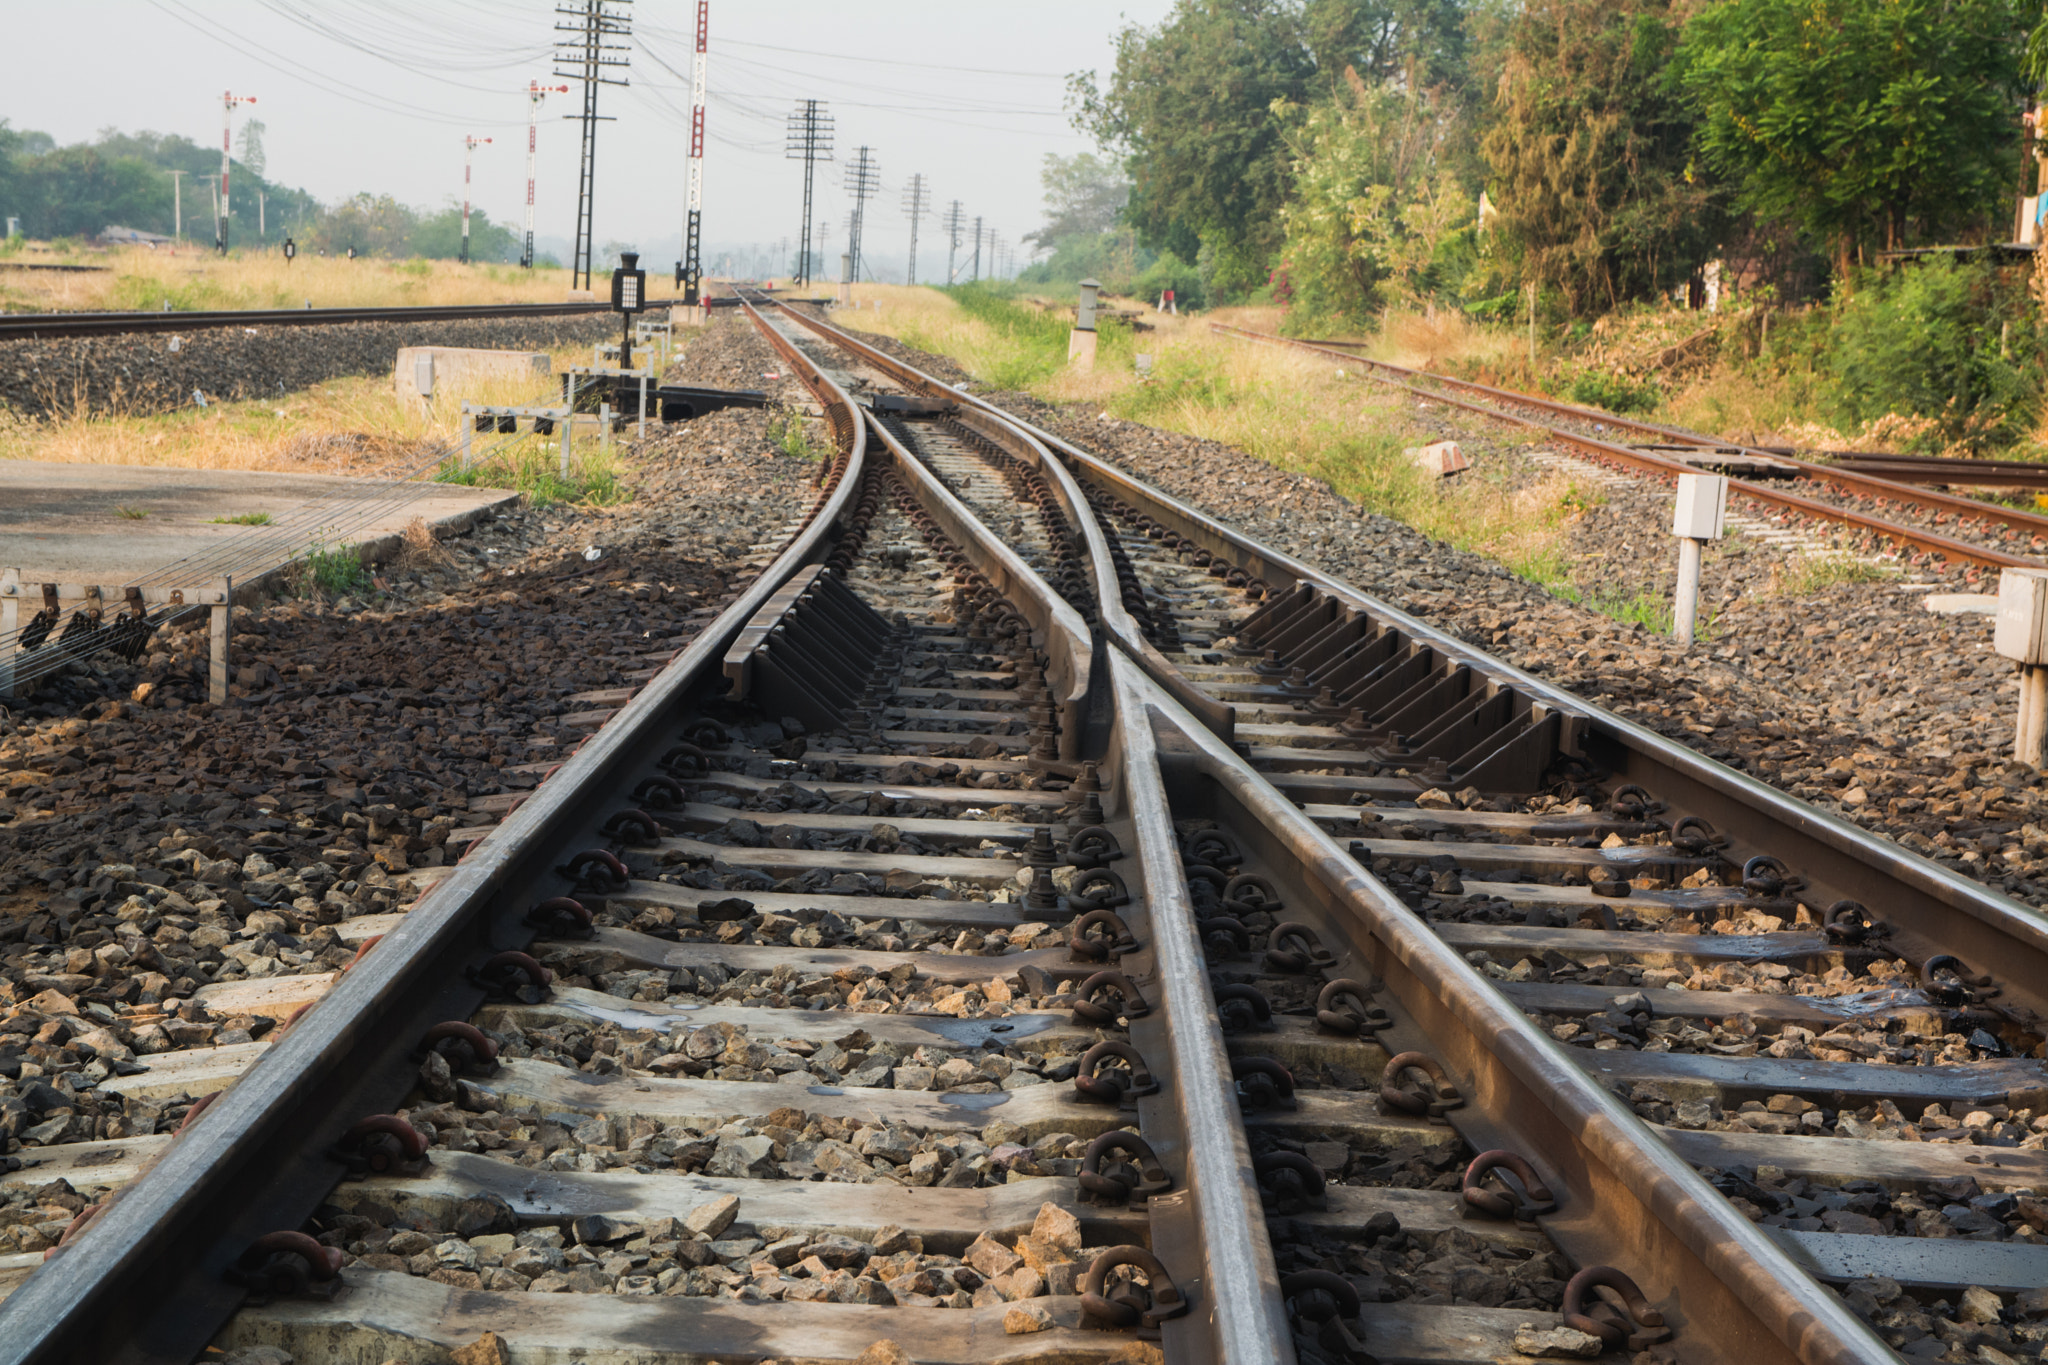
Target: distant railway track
{"x": 48, "y": 326}
{"x": 1031, "y": 885}
{"x": 1850, "y": 479}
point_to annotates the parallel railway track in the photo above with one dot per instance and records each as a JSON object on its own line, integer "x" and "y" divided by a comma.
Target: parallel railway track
{"x": 1862, "y": 492}
{"x": 49, "y": 326}
{"x": 1028, "y": 773}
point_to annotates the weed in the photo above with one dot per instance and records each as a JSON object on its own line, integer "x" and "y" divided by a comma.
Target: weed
{"x": 1810, "y": 574}
{"x": 789, "y": 431}
{"x": 1613, "y": 392}
{"x": 536, "y": 470}
{"x": 132, "y": 513}
{"x": 245, "y": 519}
{"x": 336, "y": 569}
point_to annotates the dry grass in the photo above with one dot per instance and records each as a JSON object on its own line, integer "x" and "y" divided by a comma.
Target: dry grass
{"x": 353, "y": 425}
{"x": 192, "y": 279}
{"x": 1290, "y": 408}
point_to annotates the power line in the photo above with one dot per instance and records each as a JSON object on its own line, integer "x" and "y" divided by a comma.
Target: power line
{"x": 862, "y": 180}
{"x": 916, "y": 195}
{"x": 808, "y": 139}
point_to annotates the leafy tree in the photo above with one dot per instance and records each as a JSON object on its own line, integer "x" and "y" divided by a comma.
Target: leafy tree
{"x": 1860, "y": 121}
{"x": 375, "y": 225}
{"x": 1189, "y": 106}
{"x": 1083, "y": 196}
{"x": 1588, "y": 149}
{"x": 439, "y": 235}
{"x": 1372, "y": 198}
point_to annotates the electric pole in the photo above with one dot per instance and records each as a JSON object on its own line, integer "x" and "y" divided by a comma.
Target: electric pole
{"x": 690, "y": 269}
{"x": 228, "y": 101}
{"x": 535, "y": 93}
{"x": 953, "y": 221}
{"x": 808, "y": 139}
{"x": 178, "y": 207}
{"x": 470, "y": 143}
{"x": 977, "y": 249}
{"x": 585, "y": 54}
{"x": 915, "y": 196}
{"x": 863, "y": 178}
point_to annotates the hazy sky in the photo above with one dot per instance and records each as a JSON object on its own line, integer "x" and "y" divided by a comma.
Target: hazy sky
{"x": 378, "y": 95}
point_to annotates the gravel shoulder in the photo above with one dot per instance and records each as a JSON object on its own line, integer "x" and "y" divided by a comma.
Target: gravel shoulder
{"x": 153, "y": 845}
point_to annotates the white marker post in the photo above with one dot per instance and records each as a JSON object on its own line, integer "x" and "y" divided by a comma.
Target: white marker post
{"x": 1697, "y": 517}
{"x": 2021, "y": 634}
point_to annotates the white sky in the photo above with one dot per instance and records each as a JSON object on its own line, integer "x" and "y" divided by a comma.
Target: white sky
{"x": 378, "y": 95}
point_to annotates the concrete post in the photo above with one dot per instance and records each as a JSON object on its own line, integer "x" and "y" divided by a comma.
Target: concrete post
{"x": 10, "y": 626}
{"x": 217, "y": 660}
{"x": 468, "y": 428}
{"x": 846, "y": 277}
{"x": 1698, "y": 516}
{"x": 604, "y": 425}
{"x": 1081, "y": 341}
{"x": 643, "y": 407}
{"x": 2021, "y": 634}
{"x": 568, "y": 425}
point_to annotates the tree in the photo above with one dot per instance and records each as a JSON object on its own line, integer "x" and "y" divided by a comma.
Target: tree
{"x": 1189, "y": 108}
{"x": 1372, "y": 197}
{"x": 1083, "y": 196}
{"x": 375, "y": 225}
{"x": 1861, "y": 122}
{"x": 1588, "y": 152}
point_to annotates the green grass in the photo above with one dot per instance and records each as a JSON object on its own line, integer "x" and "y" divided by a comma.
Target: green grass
{"x": 245, "y": 519}
{"x": 336, "y": 569}
{"x": 535, "y": 469}
{"x": 1035, "y": 339}
{"x": 1809, "y": 574}
{"x": 790, "y": 431}
{"x": 132, "y": 513}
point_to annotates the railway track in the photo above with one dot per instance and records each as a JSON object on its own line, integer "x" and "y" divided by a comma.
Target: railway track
{"x": 1029, "y": 886}
{"x": 48, "y": 326}
{"x": 1866, "y": 497}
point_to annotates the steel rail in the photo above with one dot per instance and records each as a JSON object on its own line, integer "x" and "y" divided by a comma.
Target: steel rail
{"x": 1024, "y": 442}
{"x": 1243, "y": 1320}
{"x": 40, "y": 326}
{"x": 1729, "y": 1282}
{"x": 1926, "y": 541}
{"x": 1932, "y": 909}
{"x": 146, "y": 1281}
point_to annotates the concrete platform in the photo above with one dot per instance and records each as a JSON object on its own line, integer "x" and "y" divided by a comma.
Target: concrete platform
{"x": 61, "y": 523}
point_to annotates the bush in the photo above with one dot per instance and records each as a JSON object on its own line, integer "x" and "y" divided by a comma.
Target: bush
{"x": 1171, "y": 272}
{"x": 1613, "y": 392}
{"x": 1945, "y": 340}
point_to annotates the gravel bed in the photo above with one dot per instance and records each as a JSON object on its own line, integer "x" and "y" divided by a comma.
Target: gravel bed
{"x": 146, "y": 372}
{"x": 152, "y": 844}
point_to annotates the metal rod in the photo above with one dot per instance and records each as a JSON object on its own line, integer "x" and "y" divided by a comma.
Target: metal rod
{"x": 217, "y": 661}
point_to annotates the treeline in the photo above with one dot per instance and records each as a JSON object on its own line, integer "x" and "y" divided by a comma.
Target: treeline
{"x": 125, "y": 180}
{"x": 1342, "y": 155}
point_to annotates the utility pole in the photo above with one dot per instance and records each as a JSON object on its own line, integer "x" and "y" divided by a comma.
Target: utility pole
{"x": 261, "y": 230}
{"x": 178, "y": 206}
{"x": 228, "y": 101}
{"x": 585, "y": 54}
{"x": 863, "y": 178}
{"x": 535, "y": 93}
{"x": 470, "y": 143}
{"x": 915, "y": 196}
{"x": 952, "y": 222}
{"x": 807, "y": 139}
{"x": 690, "y": 269}
{"x": 977, "y": 249}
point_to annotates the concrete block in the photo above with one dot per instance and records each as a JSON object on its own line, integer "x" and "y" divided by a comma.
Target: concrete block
{"x": 448, "y": 371}
{"x": 687, "y": 314}
{"x": 1438, "y": 459}
{"x": 1081, "y": 349}
{"x": 1961, "y": 603}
